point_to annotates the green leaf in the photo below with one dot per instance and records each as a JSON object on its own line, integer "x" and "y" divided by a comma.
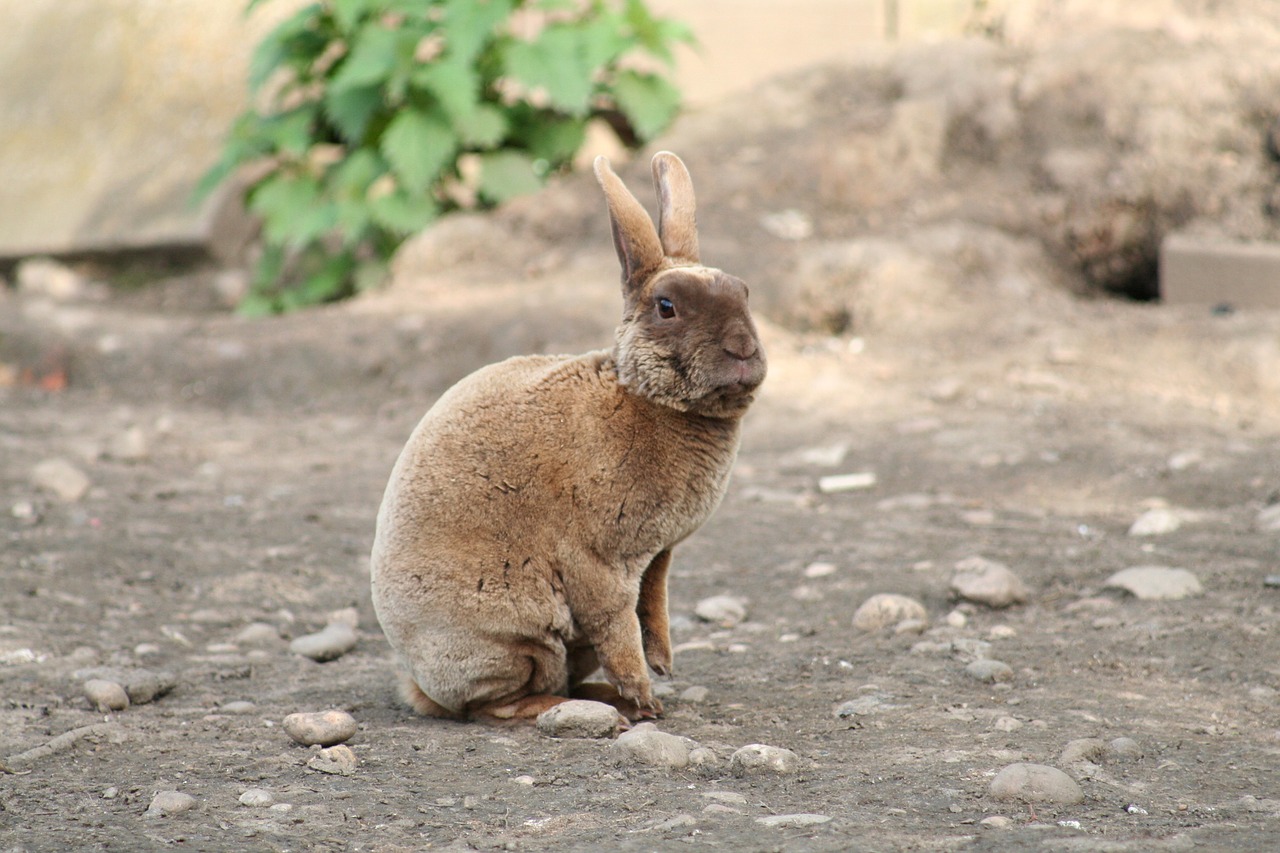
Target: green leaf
{"x": 372, "y": 59}
{"x": 470, "y": 23}
{"x": 283, "y": 201}
{"x": 403, "y": 214}
{"x": 648, "y": 100}
{"x": 556, "y": 63}
{"x": 351, "y": 177}
{"x": 351, "y": 110}
{"x": 418, "y": 146}
{"x": 602, "y": 40}
{"x": 454, "y": 84}
{"x": 507, "y": 174}
{"x": 348, "y": 13}
{"x": 483, "y": 128}
{"x": 278, "y": 45}
{"x": 291, "y": 132}
{"x": 555, "y": 141}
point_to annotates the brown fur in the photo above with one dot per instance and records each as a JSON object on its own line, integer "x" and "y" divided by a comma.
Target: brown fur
{"x": 526, "y": 531}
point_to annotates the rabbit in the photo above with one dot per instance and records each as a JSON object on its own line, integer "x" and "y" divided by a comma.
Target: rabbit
{"x": 525, "y": 534}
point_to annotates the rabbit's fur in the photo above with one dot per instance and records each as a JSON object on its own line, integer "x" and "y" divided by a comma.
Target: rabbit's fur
{"x": 526, "y": 531}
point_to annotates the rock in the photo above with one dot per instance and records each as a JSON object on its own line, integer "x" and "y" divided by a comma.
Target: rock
{"x": 325, "y": 728}
{"x": 50, "y": 279}
{"x": 957, "y": 619}
{"x": 988, "y": 582}
{"x": 644, "y": 744}
{"x": 238, "y": 707}
{"x": 580, "y": 718}
{"x": 701, "y": 756}
{"x": 1035, "y": 783}
{"x": 757, "y": 759}
{"x": 129, "y": 446}
{"x": 989, "y": 671}
{"x": 168, "y": 803}
{"x": 819, "y": 570}
{"x": 732, "y": 798}
{"x": 335, "y": 760}
{"x": 861, "y": 707}
{"x": 680, "y": 821}
{"x": 1090, "y": 749}
{"x": 1157, "y": 521}
{"x": 996, "y": 821}
{"x": 147, "y": 685}
{"x": 885, "y": 609}
{"x": 256, "y": 798}
{"x": 723, "y": 610}
{"x": 695, "y": 694}
{"x": 62, "y": 478}
{"x": 846, "y": 482}
{"x": 329, "y": 644}
{"x": 106, "y": 695}
{"x": 787, "y": 821}
{"x": 1155, "y": 583}
{"x": 1007, "y": 724}
{"x": 1123, "y": 749}
{"x": 256, "y": 634}
{"x": 911, "y": 626}
{"x": 1268, "y": 519}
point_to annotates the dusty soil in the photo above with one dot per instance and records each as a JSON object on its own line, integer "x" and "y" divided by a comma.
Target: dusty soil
{"x": 236, "y": 468}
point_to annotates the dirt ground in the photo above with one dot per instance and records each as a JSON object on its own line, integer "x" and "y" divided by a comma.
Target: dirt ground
{"x": 235, "y": 467}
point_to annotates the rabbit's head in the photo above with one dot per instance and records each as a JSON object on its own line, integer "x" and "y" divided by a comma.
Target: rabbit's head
{"x": 687, "y": 339}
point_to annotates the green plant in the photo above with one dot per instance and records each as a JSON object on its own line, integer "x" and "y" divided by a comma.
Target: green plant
{"x": 371, "y": 118}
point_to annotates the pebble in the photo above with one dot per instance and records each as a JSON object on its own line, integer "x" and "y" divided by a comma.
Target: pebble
{"x": 757, "y": 759}
{"x": 724, "y": 610}
{"x": 147, "y": 685}
{"x": 1007, "y": 724}
{"x": 996, "y": 821}
{"x": 819, "y": 570}
{"x": 335, "y": 760}
{"x": 329, "y": 644}
{"x": 1036, "y": 783}
{"x": 1156, "y": 583}
{"x": 1090, "y": 749}
{"x": 579, "y": 718}
{"x": 325, "y": 728}
{"x": 1269, "y": 518}
{"x": 106, "y": 695}
{"x": 62, "y": 478}
{"x": 792, "y": 820}
{"x": 701, "y": 756}
{"x": 256, "y": 634}
{"x": 168, "y": 803}
{"x": 987, "y": 582}
{"x": 680, "y": 821}
{"x": 128, "y": 446}
{"x": 1002, "y": 632}
{"x": 695, "y": 694}
{"x": 957, "y": 619}
{"x": 1124, "y": 749}
{"x": 846, "y": 482}
{"x": 644, "y": 744}
{"x": 1157, "y": 521}
{"x": 885, "y": 609}
{"x": 732, "y": 798}
{"x": 51, "y": 279}
{"x": 256, "y": 798}
{"x": 239, "y": 706}
{"x": 989, "y": 671}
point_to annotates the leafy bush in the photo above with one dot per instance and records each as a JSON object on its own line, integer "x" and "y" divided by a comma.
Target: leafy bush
{"x": 373, "y": 117}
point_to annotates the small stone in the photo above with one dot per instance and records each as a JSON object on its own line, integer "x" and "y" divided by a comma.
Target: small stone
{"x": 168, "y": 803}
{"x": 1085, "y": 749}
{"x": 335, "y": 760}
{"x": 1123, "y": 749}
{"x": 256, "y": 798}
{"x": 644, "y": 744}
{"x": 256, "y": 634}
{"x": 238, "y": 707}
{"x": 885, "y": 609}
{"x": 329, "y": 644}
{"x": 695, "y": 694}
{"x": 701, "y": 756}
{"x": 819, "y": 570}
{"x": 996, "y": 821}
{"x": 1155, "y": 583}
{"x": 680, "y": 821}
{"x": 50, "y": 279}
{"x": 527, "y": 781}
{"x": 989, "y": 671}
{"x": 1156, "y": 522}
{"x": 787, "y": 821}
{"x": 957, "y": 619}
{"x": 106, "y": 695}
{"x": 147, "y": 685}
{"x": 863, "y": 706}
{"x": 732, "y": 798}
{"x": 1001, "y": 632}
{"x": 723, "y": 610}
{"x": 757, "y": 759}
{"x": 62, "y": 478}
{"x": 846, "y": 482}
{"x": 128, "y": 446}
{"x": 580, "y": 718}
{"x": 1269, "y": 518}
{"x": 1007, "y": 724}
{"x": 911, "y": 626}
{"x": 325, "y": 728}
{"x": 1036, "y": 783}
{"x": 988, "y": 582}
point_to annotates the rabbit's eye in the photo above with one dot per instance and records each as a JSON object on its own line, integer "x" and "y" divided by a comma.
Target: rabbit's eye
{"x": 666, "y": 308}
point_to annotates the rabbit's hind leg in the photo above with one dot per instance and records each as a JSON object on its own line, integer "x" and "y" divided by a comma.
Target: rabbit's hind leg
{"x": 413, "y": 696}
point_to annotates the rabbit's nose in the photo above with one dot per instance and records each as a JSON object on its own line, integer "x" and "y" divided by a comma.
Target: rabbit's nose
{"x": 741, "y": 347}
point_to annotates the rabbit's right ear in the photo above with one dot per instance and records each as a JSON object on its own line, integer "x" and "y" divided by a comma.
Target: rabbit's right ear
{"x": 635, "y": 238}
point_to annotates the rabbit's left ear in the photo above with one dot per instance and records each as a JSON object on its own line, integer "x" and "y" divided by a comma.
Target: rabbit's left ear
{"x": 677, "y": 220}
{"x": 634, "y": 237}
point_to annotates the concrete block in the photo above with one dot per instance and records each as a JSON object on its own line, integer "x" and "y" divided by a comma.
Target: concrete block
{"x": 1204, "y": 271}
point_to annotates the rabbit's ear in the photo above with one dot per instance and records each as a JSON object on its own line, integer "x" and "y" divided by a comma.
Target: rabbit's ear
{"x": 639, "y": 250}
{"x": 677, "y": 223}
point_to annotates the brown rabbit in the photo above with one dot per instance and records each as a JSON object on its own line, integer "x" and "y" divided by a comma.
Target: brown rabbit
{"x": 525, "y": 534}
